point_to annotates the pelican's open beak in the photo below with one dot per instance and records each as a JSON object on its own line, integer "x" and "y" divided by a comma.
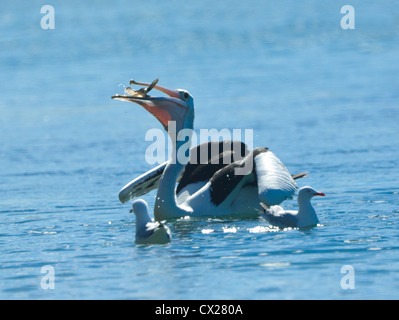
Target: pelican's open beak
{"x": 165, "y": 109}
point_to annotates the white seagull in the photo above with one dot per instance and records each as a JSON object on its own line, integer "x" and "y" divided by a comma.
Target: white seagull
{"x": 305, "y": 217}
{"x": 147, "y": 231}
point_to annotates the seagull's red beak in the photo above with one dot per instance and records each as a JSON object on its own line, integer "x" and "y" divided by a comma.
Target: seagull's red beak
{"x": 320, "y": 194}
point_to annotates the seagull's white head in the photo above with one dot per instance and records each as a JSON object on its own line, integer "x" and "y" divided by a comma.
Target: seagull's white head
{"x": 308, "y": 193}
{"x": 139, "y": 207}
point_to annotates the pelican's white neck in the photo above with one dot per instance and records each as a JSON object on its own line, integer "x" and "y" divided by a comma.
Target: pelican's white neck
{"x": 166, "y": 202}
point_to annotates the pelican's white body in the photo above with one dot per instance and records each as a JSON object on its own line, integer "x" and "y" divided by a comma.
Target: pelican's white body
{"x": 226, "y": 192}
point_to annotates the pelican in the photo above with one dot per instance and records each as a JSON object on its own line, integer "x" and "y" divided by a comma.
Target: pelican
{"x": 206, "y": 189}
{"x": 305, "y": 216}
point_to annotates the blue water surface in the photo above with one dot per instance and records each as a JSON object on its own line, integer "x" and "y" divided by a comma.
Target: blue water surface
{"x": 323, "y": 99}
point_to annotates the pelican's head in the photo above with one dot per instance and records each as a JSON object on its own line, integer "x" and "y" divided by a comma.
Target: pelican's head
{"x": 177, "y": 107}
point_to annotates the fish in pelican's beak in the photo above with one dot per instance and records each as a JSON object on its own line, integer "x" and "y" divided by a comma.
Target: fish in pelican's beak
{"x": 177, "y": 107}
{"x": 141, "y": 93}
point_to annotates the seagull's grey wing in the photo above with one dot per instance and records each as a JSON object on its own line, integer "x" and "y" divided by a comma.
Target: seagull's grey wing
{"x": 282, "y": 220}
{"x": 150, "y": 228}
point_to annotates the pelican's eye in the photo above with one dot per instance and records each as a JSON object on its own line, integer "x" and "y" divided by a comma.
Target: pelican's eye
{"x": 186, "y": 96}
